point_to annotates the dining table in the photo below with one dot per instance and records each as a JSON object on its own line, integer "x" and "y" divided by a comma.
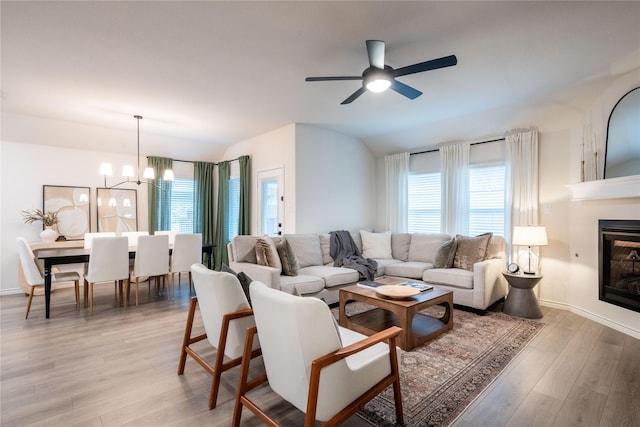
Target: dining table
{"x": 60, "y": 256}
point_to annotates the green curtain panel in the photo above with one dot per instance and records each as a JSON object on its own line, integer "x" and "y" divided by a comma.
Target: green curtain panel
{"x": 204, "y": 201}
{"x": 222, "y": 217}
{"x": 244, "y": 226}
{"x": 159, "y": 195}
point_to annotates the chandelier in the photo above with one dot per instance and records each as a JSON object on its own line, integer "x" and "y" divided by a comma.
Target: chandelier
{"x": 128, "y": 172}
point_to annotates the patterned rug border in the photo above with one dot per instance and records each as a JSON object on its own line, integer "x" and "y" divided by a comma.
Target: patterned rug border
{"x": 450, "y": 399}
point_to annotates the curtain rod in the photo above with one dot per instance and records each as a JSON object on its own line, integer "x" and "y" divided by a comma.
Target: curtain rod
{"x": 473, "y": 143}
{"x": 193, "y": 161}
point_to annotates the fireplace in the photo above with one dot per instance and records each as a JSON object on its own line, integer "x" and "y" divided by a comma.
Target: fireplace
{"x": 619, "y": 255}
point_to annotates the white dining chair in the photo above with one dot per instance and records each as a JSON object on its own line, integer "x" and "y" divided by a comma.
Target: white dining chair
{"x": 170, "y": 233}
{"x": 33, "y": 276}
{"x": 108, "y": 262}
{"x": 187, "y": 250}
{"x": 133, "y": 237}
{"x": 88, "y": 237}
{"x": 152, "y": 261}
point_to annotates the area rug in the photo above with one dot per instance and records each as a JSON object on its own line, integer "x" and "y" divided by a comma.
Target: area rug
{"x": 442, "y": 377}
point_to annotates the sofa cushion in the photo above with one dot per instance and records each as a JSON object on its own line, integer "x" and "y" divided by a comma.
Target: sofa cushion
{"x": 423, "y": 247}
{"x": 410, "y": 269}
{"x": 301, "y": 284}
{"x": 332, "y": 276}
{"x": 287, "y": 258}
{"x": 267, "y": 254}
{"x": 244, "y": 249}
{"x": 383, "y": 263}
{"x": 456, "y": 277}
{"x": 497, "y": 248}
{"x": 445, "y": 255}
{"x": 470, "y": 250}
{"x": 306, "y": 248}
{"x": 400, "y": 243}
{"x": 325, "y": 247}
{"x": 376, "y": 245}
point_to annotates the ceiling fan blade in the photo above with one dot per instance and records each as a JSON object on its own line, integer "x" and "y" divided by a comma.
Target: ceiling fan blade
{"x": 327, "y": 79}
{"x": 434, "y": 64}
{"x": 354, "y": 95}
{"x": 375, "y": 50}
{"x": 405, "y": 90}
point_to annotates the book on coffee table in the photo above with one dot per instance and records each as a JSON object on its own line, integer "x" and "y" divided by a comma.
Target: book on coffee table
{"x": 369, "y": 284}
{"x": 419, "y": 286}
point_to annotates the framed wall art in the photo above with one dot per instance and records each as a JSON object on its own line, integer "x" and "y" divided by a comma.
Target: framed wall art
{"x": 73, "y": 209}
{"x": 117, "y": 210}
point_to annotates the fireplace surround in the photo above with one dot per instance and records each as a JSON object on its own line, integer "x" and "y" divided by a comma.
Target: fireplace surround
{"x": 619, "y": 262}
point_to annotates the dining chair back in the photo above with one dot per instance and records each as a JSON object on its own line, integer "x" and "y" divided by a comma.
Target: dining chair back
{"x": 152, "y": 260}
{"x": 324, "y": 370}
{"x": 88, "y": 237}
{"x": 34, "y": 277}
{"x": 133, "y": 236}
{"x": 170, "y": 233}
{"x": 187, "y": 250}
{"x": 108, "y": 262}
{"x": 226, "y": 315}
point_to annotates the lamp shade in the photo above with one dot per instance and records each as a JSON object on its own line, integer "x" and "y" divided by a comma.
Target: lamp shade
{"x": 531, "y": 235}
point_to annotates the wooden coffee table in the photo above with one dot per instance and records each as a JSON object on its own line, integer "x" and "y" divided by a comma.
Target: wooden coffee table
{"x": 417, "y": 328}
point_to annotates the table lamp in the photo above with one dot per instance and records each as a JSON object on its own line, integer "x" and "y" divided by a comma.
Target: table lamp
{"x": 531, "y": 235}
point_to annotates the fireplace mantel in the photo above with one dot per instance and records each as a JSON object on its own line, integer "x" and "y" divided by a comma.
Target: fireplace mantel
{"x": 612, "y": 188}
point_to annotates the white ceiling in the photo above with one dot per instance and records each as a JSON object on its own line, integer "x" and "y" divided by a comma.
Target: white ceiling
{"x": 222, "y": 72}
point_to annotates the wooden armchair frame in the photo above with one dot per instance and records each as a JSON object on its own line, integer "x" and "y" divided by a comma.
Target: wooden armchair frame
{"x": 219, "y": 365}
{"x": 244, "y": 386}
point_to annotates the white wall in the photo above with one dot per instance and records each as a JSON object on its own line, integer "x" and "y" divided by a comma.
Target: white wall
{"x": 335, "y": 178}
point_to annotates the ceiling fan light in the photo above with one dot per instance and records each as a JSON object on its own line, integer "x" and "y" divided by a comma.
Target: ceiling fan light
{"x": 127, "y": 171}
{"x": 149, "y": 173}
{"x": 378, "y": 85}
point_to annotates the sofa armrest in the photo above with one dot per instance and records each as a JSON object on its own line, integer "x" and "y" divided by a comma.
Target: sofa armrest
{"x": 270, "y": 276}
{"x": 488, "y": 282}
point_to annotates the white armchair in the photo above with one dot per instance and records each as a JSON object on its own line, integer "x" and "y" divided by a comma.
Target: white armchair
{"x": 326, "y": 371}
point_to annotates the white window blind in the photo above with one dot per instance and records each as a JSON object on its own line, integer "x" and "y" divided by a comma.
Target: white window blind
{"x": 486, "y": 200}
{"x": 182, "y": 205}
{"x": 234, "y": 208}
{"x": 424, "y": 203}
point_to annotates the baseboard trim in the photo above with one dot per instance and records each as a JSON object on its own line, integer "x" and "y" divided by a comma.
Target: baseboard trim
{"x": 11, "y": 291}
{"x": 635, "y": 333}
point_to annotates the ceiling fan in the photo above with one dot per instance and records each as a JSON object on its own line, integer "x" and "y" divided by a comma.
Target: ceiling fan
{"x": 379, "y": 77}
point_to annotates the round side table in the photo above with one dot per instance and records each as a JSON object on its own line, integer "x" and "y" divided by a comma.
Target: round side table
{"x": 521, "y": 301}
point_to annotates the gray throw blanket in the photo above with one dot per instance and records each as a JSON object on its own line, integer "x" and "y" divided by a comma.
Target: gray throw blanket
{"x": 346, "y": 254}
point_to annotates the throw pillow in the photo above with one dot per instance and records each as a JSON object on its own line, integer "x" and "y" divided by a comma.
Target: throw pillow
{"x": 470, "y": 250}
{"x": 287, "y": 258}
{"x": 376, "y": 245}
{"x": 445, "y": 255}
{"x": 266, "y": 253}
{"x": 244, "y": 280}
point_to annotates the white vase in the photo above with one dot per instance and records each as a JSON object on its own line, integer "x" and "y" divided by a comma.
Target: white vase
{"x": 49, "y": 235}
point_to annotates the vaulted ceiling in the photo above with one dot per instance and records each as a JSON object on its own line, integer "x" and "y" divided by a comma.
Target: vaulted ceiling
{"x": 221, "y": 72}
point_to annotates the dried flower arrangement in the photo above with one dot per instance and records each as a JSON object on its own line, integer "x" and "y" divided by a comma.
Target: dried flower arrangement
{"x": 49, "y": 219}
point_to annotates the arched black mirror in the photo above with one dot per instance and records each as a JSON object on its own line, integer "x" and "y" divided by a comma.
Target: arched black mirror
{"x": 622, "y": 157}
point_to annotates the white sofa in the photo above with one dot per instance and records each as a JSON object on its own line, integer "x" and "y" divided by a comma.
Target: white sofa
{"x": 412, "y": 256}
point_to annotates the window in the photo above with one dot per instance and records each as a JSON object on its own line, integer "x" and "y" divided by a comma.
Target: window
{"x": 234, "y": 208}
{"x": 486, "y": 199}
{"x": 182, "y": 205}
{"x": 424, "y": 203}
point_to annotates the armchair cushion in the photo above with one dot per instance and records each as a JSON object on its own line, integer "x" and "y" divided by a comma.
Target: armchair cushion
{"x": 470, "y": 250}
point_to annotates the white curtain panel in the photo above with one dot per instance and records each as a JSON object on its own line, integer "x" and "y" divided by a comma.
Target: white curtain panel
{"x": 397, "y": 167}
{"x": 454, "y": 163}
{"x": 522, "y": 181}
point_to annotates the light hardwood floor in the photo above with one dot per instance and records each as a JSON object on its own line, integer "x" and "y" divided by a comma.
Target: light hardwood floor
{"x": 119, "y": 367}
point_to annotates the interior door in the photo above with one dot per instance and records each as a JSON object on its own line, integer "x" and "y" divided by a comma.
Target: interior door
{"x": 271, "y": 201}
